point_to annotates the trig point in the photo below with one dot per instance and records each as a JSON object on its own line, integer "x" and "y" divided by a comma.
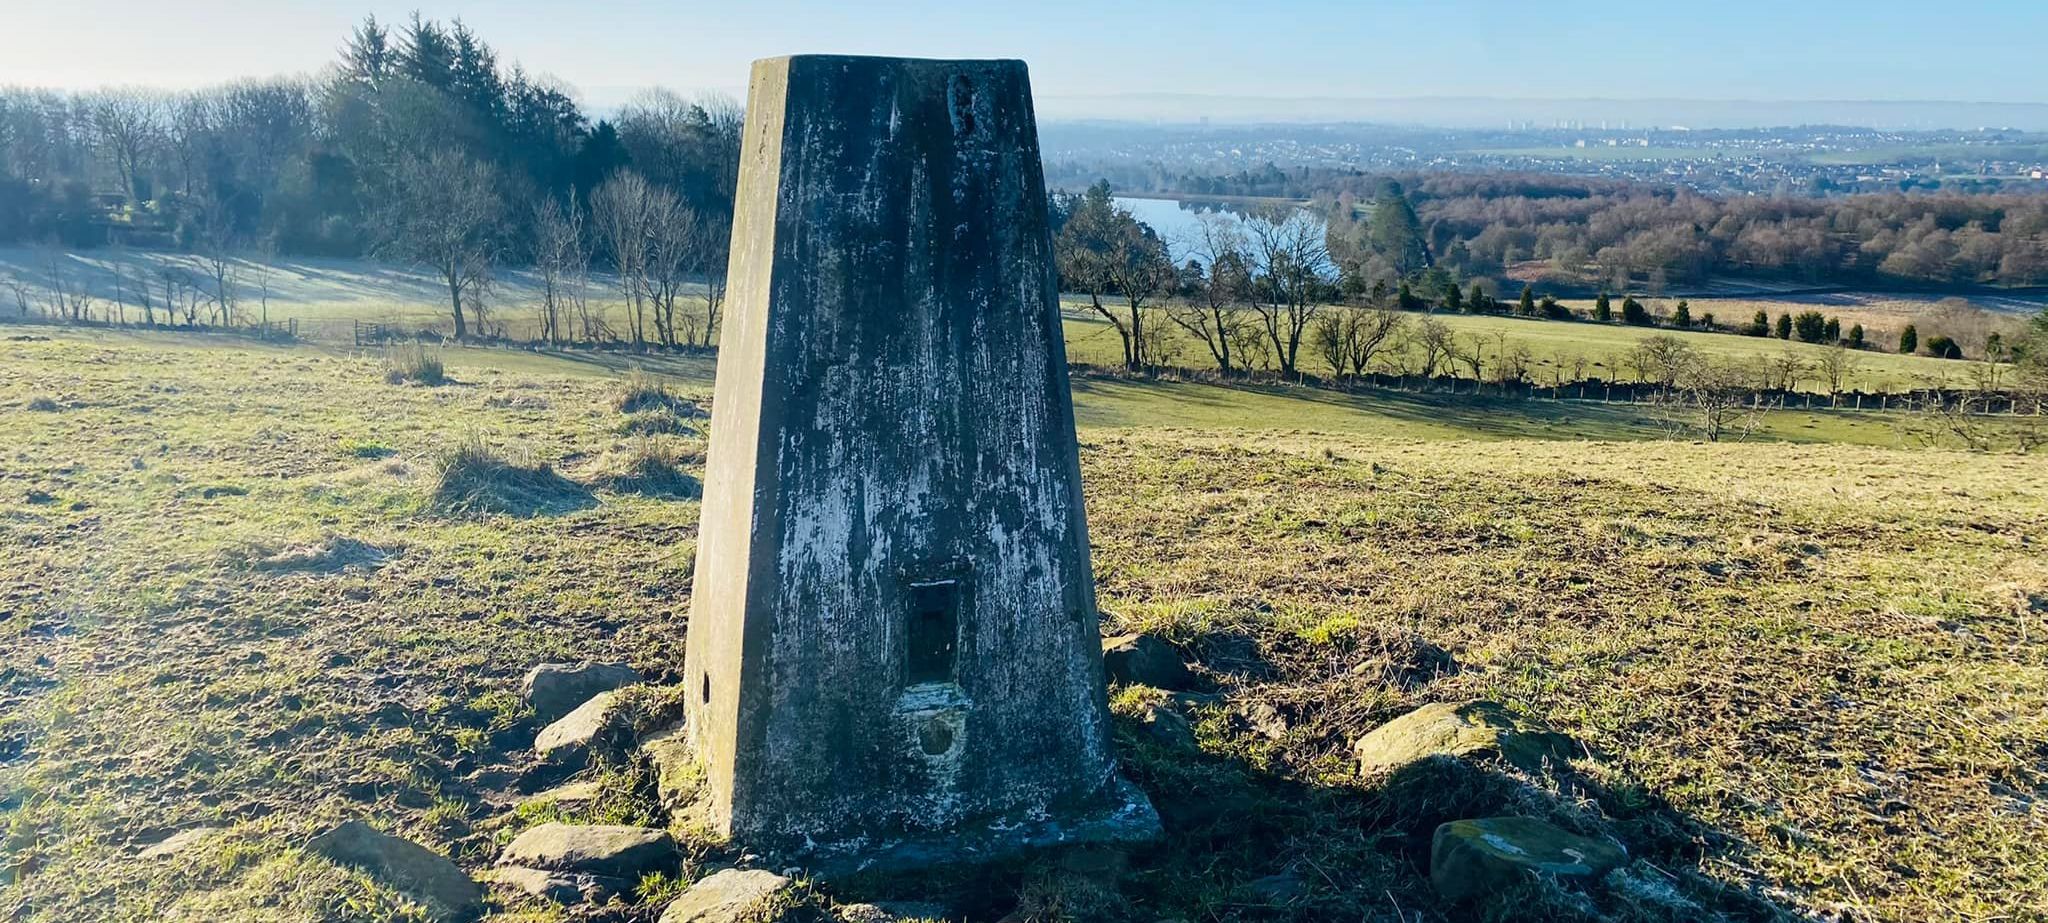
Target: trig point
{"x": 893, "y": 655}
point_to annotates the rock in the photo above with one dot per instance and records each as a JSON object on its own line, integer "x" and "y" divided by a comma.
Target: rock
{"x": 405, "y": 865}
{"x": 556, "y": 689}
{"x": 1279, "y": 889}
{"x": 1168, "y": 726}
{"x": 560, "y": 887}
{"x": 1264, "y": 719}
{"x": 1471, "y": 731}
{"x": 1145, "y": 660}
{"x": 606, "y": 850}
{"x": 571, "y": 740}
{"x": 177, "y": 843}
{"x": 1474, "y": 858}
{"x": 890, "y": 912}
{"x": 730, "y": 896}
{"x": 573, "y": 794}
{"x": 678, "y": 778}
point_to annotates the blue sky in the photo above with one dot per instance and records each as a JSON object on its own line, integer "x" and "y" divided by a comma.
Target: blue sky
{"x": 1991, "y": 50}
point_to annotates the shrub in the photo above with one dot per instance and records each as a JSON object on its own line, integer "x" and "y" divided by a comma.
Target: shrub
{"x": 1759, "y": 326}
{"x": 1856, "y": 337}
{"x": 1810, "y": 326}
{"x": 1682, "y": 316}
{"x": 1555, "y": 311}
{"x": 1942, "y": 347}
{"x": 1633, "y": 312}
{"x": 1602, "y": 310}
{"x": 1832, "y": 333}
{"x": 413, "y": 362}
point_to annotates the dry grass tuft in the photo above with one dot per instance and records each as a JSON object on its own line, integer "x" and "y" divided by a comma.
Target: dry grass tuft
{"x": 414, "y": 362}
{"x": 475, "y": 478}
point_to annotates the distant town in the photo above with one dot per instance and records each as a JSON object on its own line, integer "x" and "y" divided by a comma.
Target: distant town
{"x": 1802, "y": 161}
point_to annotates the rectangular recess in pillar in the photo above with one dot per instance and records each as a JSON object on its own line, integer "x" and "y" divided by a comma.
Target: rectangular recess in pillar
{"x": 933, "y": 632}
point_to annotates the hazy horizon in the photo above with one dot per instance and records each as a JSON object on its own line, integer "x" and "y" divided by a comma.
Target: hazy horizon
{"x": 1468, "y": 62}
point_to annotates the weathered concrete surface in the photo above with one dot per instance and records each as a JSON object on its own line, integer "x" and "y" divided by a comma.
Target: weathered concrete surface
{"x": 893, "y": 628}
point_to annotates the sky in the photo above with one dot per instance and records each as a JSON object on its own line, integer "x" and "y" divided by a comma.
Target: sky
{"x": 1966, "y": 50}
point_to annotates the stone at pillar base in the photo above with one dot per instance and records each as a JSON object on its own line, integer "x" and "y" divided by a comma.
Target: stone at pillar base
{"x": 1122, "y": 817}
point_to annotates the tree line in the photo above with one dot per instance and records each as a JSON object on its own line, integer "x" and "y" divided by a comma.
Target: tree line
{"x": 416, "y": 145}
{"x": 1633, "y": 235}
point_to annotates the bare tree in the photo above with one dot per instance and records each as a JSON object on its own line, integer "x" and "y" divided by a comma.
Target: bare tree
{"x": 620, "y": 213}
{"x": 1713, "y": 400}
{"x": 1102, "y": 250}
{"x": 444, "y": 212}
{"x": 1215, "y": 312}
{"x": 1662, "y": 359}
{"x": 1436, "y": 343}
{"x": 1294, "y": 263}
{"x": 672, "y": 232}
{"x": 127, "y": 125}
{"x": 561, "y": 259}
{"x": 1836, "y": 364}
{"x": 1348, "y": 339}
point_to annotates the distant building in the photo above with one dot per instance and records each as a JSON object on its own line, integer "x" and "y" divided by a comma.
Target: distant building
{"x": 2037, "y": 173}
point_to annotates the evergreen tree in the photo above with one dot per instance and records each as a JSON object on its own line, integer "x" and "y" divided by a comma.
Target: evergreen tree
{"x": 1478, "y": 300}
{"x": 1810, "y": 326}
{"x": 1909, "y": 340}
{"x": 1633, "y": 312}
{"x": 1602, "y": 311}
{"x": 366, "y": 56}
{"x": 1856, "y": 336}
{"x": 1681, "y": 317}
{"x": 1831, "y": 332}
{"x": 1759, "y": 326}
{"x": 1527, "y": 306}
{"x": 1453, "y": 299}
{"x": 1407, "y": 299}
{"x": 425, "y": 54}
{"x": 1785, "y": 326}
{"x": 1396, "y": 232}
{"x": 1707, "y": 321}
{"x": 1553, "y": 310}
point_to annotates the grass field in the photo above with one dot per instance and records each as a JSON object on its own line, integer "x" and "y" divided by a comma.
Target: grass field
{"x": 1812, "y": 677}
{"x": 1556, "y": 345}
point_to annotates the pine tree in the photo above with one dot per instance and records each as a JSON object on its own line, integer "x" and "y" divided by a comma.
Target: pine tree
{"x": 1633, "y": 312}
{"x": 1832, "y": 331}
{"x": 1759, "y": 326}
{"x": 1856, "y": 336}
{"x": 1682, "y": 316}
{"x": 1785, "y": 326}
{"x": 1527, "y": 306}
{"x": 1478, "y": 299}
{"x": 1603, "y": 311}
{"x": 366, "y": 57}
{"x": 1453, "y": 299}
{"x": 1909, "y": 340}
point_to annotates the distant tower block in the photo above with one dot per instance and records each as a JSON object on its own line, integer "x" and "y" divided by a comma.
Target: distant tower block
{"x": 893, "y": 654}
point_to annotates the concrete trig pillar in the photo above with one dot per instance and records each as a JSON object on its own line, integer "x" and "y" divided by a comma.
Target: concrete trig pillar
{"x": 893, "y": 654}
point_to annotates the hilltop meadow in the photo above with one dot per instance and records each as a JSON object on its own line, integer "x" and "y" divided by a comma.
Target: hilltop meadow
{"x": 252, "y": 590}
